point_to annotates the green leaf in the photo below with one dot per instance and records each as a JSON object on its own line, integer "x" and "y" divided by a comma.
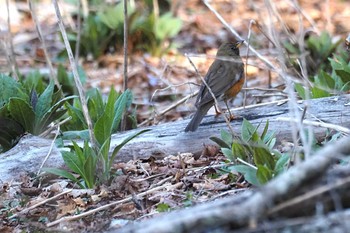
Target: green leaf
{"x": 319, "y": 93}
{"x": 78, "y": 121}
{"x": 103, "y": 126}
{"x": 72, "y": 161}
{"x": 249, "y": 132}
{"x": 281, "y": 163}
{"x": 114, "y": 17}
{"x": 10, "y": 133}
{"x": 344, "y": 75}
{"x": 52, "y": 114}
{"x": 123, "y": 102}
{"x": 345, "y": 87}
{"x": 34, "y": 81}
{"x": 10, "y": 88}
{"x": 265, "y": 131}
{"x": 95, "y": 104}
{"x": 167, "y": 26}
{"x": 104, "y": 151}
{"x": 263, "y": 174}
{"x": 228, "y": 153}
{"x": 66, "y": 81}
{"x": 44, "y": 102}
{"x": 226, "y": 137}
{"x": 60, "y": 172}
{"x": 239, "y": 151}
{"x": 220, "y": 142}
{"x": 249, "y": 173}
{"x": 247, "y": 128}
{"x": 325, "y": 81}
{"x": 81, "y": 134}
{"x": 22, "y": 113}
{"x": 118, "y": 147}
{"x": 300, "y": 90}
{"x": 262, "y": 156}
{"x": 89, "y": 165}
{"x": 162, "y": 207}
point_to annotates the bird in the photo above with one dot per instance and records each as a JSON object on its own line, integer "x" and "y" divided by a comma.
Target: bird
{"x": 225, "y": 78}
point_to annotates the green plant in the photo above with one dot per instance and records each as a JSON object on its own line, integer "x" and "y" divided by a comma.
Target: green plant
{"x": 162, "y": 207}
{"x": 324, "y": 84}
{"x": 27, "y": 111}
{"x": 317, "y": 51}
{"x": 76, "y": 127}
{"x": 95, "y": 39}
{"x": 259, "y": 161}
{"x": 93, "y": 165}
{"x": 103, "y": 31}
{"x": 151, "y": 32}
{"x": 10, "y": 133}
{"x": 82, "y": 161}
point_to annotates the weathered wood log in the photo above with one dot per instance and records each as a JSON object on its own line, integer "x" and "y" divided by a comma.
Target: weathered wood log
{"x": 170, "y": 138}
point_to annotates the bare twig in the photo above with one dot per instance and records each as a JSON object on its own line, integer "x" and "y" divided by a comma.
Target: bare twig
{"x": 181, "y": 101}
{"x": 104, "y": 207}
{"x": 77, "y": 44}
{"x": 267, "y": 62}
{"x": 40, "y": 203}
{"x": 246, "y": 66}
{"x": 49, "y": 152}
{"x": 75, "y": 75}
{"x": 125, "y": 83}
{"x": 42, "y": 40}
{"x": 309, "y": 195}
{"x": 317, "y": 124}
{"x": 11, "y": 55}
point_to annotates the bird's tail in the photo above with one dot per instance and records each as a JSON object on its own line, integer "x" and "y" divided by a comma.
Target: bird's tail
{"x": 195, "y": 121}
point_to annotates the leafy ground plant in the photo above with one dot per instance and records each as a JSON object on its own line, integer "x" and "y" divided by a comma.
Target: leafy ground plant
{"x": 102, "y": 31}
{"x": 259, "y": 161}
{"x": 29, "y": 110}
{"x": 326, "y": 64}
{"x": 325, "y": 84}
{"x": 93, "y": 164}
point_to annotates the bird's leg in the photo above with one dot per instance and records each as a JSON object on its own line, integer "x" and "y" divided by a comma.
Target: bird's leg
{"x": 229, "y": 111}
{"x": 217, "y": 110}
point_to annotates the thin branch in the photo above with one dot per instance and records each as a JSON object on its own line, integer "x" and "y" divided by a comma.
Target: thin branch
{"x": 42, "y": 40}
{"x": 40, "y": 203}
{"x": 125, "y": 84}
{"x": 125, "y": 67}
{"x": 267, "y": 62}
{"x": 11, "y": 55}
{"x": 50, "y": 150}
{"x": 104, "y": 207}
{"x": 77, "y": 44}
{"x": 75, "y": 74}
{"x": 181, "y": 101}
{"x": 317, "y": 124}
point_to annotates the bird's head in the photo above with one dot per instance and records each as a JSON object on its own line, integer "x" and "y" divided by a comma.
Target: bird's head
{"x": 229, "y": 49}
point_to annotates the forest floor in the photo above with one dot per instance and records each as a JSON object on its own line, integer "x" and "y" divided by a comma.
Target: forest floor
{"x": 147, "y": 188}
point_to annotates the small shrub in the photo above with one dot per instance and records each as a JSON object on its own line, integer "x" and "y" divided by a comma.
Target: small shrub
{"x": 259, "y": 161}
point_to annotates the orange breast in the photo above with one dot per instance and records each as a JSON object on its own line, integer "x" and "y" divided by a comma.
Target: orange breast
{"x": 235, "y": 89}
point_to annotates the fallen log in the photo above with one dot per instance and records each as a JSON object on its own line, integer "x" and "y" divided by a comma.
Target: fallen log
{"x": 170, "y": 138}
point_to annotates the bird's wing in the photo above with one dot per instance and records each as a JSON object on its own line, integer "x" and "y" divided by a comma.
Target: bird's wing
{"x": 218, "y": 79}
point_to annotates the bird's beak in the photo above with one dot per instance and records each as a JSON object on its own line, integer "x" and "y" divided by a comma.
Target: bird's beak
{"x": 239, "y": 43}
